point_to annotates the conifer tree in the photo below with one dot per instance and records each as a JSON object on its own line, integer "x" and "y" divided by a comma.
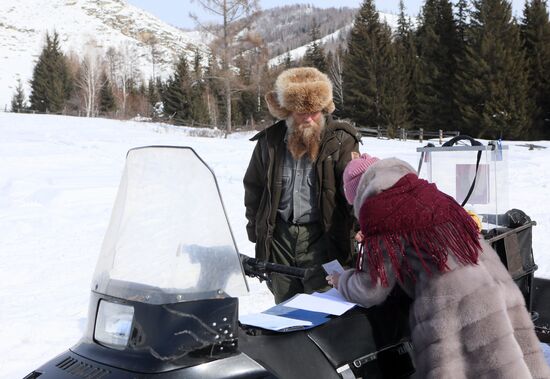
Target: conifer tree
{"x": 462, "y": 12}
{"x": 214, "y": 90}
{"x": 152, "y": 92}
{"x": 51, "y": 83}
{"x": 18, "y": 100}
{"x": 199, "y": 108}
{"x": 176, "y": 98}
{"x": 406, "y": 69}
{"x": 462, "y": 26}
{"x": 437, "y": 41}
{"x": 395, "y": 100}
{"x": 246, "y": 105}
{"x": 493, "y": 77}
{"x": 315, "y": 54}
{"x": 336, "y": 75}
{"x": 287, "y": 63}
{"x": 107, "y": 102}
{"x": 155, "y": 90}
{"x": 142, "y": 89}
{"x": 160, "y": 88}
{"x": 367, "y": 74}
{"x": 329, "y": 59}
{"x": 535, "y": 30}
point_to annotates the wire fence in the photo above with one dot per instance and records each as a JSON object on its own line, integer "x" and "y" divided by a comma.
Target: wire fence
{"x": 405, "y": 134}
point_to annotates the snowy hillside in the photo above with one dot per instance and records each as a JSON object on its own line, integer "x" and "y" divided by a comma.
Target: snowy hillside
{"x": 58, "y": 180}
{"x": 80, "y": 23}
{"x": 299, "y": 52}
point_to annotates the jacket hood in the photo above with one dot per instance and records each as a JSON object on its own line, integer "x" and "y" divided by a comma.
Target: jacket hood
{"x": 381, "y": 176}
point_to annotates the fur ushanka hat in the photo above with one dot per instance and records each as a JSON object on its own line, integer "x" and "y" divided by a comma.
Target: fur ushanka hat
{"x": 301, "y": 89}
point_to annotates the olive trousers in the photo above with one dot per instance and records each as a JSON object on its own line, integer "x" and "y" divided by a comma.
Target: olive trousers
{"x": 301, "y": 246}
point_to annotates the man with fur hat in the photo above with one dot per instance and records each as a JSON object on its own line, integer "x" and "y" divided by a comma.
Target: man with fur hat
{"x": 296, "y": 210}
{"x": 468, "y": 318}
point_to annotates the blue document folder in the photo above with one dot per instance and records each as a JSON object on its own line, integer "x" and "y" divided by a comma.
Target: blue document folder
{"x": 316, "y": 318}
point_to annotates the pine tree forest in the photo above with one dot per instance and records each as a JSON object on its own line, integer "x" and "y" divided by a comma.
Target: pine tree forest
{"x": 466, "y": 66}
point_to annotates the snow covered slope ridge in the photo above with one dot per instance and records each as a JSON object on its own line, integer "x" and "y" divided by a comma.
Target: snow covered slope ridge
{"x": 299, "y": 52}
{"x": 81, "y": 23}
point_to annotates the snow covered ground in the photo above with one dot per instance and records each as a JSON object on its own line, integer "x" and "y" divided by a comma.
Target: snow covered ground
{"x": 58, "y": 181}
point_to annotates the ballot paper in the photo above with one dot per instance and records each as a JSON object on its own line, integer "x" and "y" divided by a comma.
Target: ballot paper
{"x": 331, "y": 294}
{"x": 314, "y": 303}
{"x": 333, "y": 267}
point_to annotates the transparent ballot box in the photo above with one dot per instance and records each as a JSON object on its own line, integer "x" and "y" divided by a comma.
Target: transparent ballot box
{"x": 475, "y": 176}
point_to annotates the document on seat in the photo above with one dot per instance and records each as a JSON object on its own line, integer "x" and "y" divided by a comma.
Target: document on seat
{"x": 333, "y": 294}
{"x": 300, "y": 312}
{"x": 273, "y": 322}
{"x": 324, "y": 304}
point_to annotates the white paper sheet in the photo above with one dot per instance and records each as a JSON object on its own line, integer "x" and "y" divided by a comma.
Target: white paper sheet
{"x": 272, "y": 322}
{"x": 321, "y": 304}
{"x": 333, "y": 267}
{"x": 331, "y": 294}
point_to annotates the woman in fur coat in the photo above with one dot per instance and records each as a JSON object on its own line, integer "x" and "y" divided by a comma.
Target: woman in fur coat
{"x": 468, "y": 318}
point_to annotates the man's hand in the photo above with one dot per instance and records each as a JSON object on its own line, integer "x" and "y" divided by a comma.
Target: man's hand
{"x": 332, "y": 279}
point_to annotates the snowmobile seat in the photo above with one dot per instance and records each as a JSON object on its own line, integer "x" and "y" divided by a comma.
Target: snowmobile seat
{"x": 370, "y": 343}
{"x": 541, "y": 306}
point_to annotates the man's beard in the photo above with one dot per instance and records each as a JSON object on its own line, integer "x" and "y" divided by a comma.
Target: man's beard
{"x": 304, "y": 138}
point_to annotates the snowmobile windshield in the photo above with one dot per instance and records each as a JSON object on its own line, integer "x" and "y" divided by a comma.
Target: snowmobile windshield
{"x": 169, "y": 239}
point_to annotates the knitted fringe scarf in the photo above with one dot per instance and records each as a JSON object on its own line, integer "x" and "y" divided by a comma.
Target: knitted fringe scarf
{"x": 414, "y": 212}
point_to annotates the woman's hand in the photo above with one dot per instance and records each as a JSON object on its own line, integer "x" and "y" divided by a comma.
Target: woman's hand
{"x": 333, "y": 279}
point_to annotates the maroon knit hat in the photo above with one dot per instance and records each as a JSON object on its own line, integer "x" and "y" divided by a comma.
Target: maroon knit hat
{"x": 353, "y": 172}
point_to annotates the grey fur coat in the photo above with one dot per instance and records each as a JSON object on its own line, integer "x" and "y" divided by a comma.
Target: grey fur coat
{"x": 469, "y": 322}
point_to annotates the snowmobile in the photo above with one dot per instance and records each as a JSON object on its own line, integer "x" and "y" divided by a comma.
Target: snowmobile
{"x": 165, "y": 295}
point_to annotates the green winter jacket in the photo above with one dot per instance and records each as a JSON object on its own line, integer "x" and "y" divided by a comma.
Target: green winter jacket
{"x": 263, "y": 187}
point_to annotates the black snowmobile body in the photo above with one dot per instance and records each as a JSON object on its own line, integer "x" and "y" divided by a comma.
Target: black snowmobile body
{"x": 165, "y": 296}
{"x": 512, "y": 241}
{"x": 350, "y": 343}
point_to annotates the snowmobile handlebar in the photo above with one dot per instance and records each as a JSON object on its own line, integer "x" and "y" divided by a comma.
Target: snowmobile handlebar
{"x": 262, "y": 269}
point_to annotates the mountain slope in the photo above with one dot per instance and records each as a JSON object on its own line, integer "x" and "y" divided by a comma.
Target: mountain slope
{"x": 103, "y": 23}
{"x": 334, "y": 36}
{"x": 288, "y": 27}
